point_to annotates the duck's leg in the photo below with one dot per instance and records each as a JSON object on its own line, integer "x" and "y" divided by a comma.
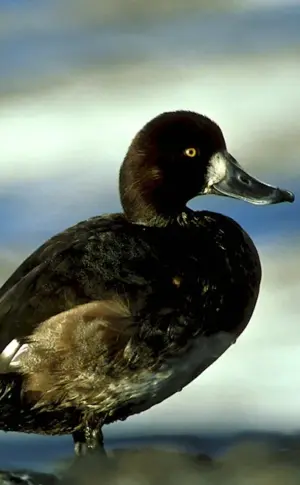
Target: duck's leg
{"x": 89, "y": 439}
{"x": 94, "y": 436}
{"x": 79, "y": 443}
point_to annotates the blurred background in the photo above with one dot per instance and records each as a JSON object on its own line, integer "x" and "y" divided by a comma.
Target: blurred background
{"x": 78, "y": 79}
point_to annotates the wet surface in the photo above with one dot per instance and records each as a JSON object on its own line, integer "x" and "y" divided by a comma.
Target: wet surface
{"x": 262, "y": 459}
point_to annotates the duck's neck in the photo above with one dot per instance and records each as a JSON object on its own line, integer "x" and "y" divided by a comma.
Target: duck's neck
{"x": 147, "y": 214}
{"x": 146, "y": 202}
{"x": 158, "y": 220}
{"x": 139, "y": 210}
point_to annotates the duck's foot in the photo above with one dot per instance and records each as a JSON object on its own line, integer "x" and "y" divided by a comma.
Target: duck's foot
{"x": 89, "y": 454}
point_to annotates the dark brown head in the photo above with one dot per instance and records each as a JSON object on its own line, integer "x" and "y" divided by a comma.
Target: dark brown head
{"x": 178, "y": 156}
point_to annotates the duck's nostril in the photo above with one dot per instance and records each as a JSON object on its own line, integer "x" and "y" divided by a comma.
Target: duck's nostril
{"x": 244, "y": 180}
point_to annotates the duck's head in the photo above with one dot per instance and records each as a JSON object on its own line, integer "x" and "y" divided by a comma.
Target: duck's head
{"x": 178, "y": 156}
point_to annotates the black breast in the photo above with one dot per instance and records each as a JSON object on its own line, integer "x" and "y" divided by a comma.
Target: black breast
{"x": 208, "y": 271}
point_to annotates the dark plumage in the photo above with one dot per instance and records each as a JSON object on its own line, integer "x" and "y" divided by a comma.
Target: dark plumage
{"x": 117, "y": 313}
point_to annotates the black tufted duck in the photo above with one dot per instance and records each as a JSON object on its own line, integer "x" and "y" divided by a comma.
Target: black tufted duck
{"x": 119, "y": 312}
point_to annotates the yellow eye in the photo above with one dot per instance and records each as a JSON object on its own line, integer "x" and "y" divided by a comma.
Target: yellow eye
{"x": 190, "y": 152}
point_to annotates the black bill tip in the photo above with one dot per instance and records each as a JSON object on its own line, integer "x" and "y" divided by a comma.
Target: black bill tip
{"x": 286, "y": 196}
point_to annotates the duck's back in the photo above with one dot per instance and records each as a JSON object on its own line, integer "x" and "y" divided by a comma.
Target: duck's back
{"x": 61, "y": 242}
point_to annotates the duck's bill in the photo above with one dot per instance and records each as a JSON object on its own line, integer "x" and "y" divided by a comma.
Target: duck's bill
{"x": 227, "y": 178}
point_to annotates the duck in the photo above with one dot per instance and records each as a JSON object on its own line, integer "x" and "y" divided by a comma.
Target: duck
{"x": 119, "y": 312}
